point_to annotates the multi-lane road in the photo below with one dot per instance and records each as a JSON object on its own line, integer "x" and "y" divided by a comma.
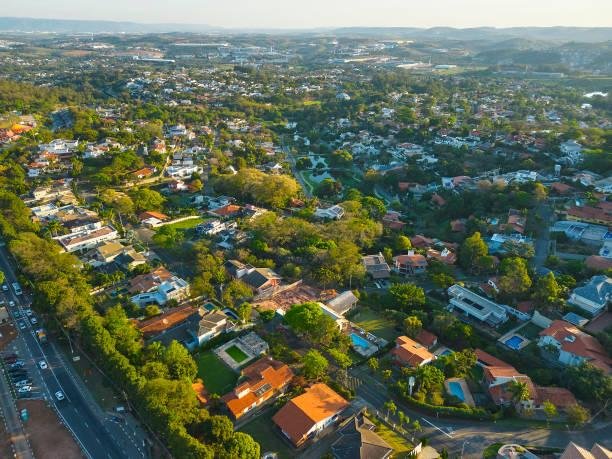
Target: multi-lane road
{"x": 96, "y": 433}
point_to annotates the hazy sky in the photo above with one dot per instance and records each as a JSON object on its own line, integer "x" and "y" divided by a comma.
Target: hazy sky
{"x": 330, "y": 13}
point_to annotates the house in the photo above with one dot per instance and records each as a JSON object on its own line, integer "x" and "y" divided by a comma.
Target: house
{"x": 331, "y": 213}
{"x": 151, "y": 218}
{"x": 573, "y": 451}
{"x": 598, "y": 263}
{"x": 210, "y": 228}
{"x": 574, "y": 346}
{"x": 443, "y": 256}
{"x": 358, "y": 440}
{"x": 410, "y": 264}
{"x": 304, "y": 416}
{"x": 438, "y": 200}
{"x": 409, "y": 352}
{"x": 392, "y": 221}
{"x": 129, "y": 259}
{"x": 226, "y": 211}
{"x": 427, "y": 339}
{"x": 260, "y": 382}
{"x": 166, "y": 321}
{"x": 516, "y": 221}
{"x": 600, "y": 213}
{"x": 209, "y": 326}
{"x": 108, "y": 251}
{"x": 343, "y": 303}
{"x": 421, "y": 242}
{"x": 74, "y": 242}
{"x": 261, "y": 279}
{"x": 593, "y": 297}
{"x": 476, "y": 306}
{"x": 158, "y": 286}
{"x": 143, "y": 173}
{"x": 376, "y": 266}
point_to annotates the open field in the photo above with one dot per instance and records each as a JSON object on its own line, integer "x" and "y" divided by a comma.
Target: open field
{"x": 375, "y": 323}
{"x": 47, "y": 436}
{"x": 217, "y": 378}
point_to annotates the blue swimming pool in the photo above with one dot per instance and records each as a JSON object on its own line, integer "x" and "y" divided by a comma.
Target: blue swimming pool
{"x": 358, "y": 341}
{"x": 456, "y": 390}
{"x": 514, "y": 342}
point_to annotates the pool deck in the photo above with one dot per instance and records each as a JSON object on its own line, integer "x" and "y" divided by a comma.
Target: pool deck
{"x": 524, "y": 341}
{"x": 469, "y": 400}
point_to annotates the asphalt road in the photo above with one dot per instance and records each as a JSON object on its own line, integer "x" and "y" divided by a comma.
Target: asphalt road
{"x": 76, "y": 413}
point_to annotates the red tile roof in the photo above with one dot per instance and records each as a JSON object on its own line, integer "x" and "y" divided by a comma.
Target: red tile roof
{"x": 409, "y": 352}
{"x": 490, "y": 360}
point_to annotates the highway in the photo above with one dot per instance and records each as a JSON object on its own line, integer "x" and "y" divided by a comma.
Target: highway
{"x": 91, "y": 430}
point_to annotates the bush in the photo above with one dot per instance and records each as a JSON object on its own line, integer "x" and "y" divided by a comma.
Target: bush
{"x": 418, "y": 401}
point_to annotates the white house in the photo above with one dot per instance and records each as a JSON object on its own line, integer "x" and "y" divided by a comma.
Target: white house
{"x": 594, "y": 296}
{"x": 476, "y": 306}
{"x": 332, "y": 213}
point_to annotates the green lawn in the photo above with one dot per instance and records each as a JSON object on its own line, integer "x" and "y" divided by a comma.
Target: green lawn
{"x": 217, "y": 377}
{"x": 376, "y": 323}
{"x": 236, "y": 353}
{"x": 401, "y": 446}
{"x": 264, "y": 431}
{"x": 186, "y": 224}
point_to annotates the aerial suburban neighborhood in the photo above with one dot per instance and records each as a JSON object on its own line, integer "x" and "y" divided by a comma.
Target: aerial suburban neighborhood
{"x": 343, "y": 243}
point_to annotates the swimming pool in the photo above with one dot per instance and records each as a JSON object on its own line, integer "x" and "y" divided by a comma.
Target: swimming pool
{"x": 514, "y": 342}
{"x": 358, "y": 341}
{"x": 456, "y": 390}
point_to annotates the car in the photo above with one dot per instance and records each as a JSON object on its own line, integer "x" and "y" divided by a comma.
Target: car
{"x": 24, "y": 389}
{"x": 28, "y": 312}
{"x": 5, "y": 287}
{"x": 17, "y": 364}
{"x": 23, "y": 382}
{"x": 22, "y": 325}
{"x": 43, "y": 365}
{"x": 17, "y": 314}
{"x": 12, "y": 304}
{"x": 59, "y": 395}
{"x": 33, "y": 320}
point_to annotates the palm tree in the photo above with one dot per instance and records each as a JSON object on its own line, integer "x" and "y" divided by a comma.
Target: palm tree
{"x": 519, "y": 391}
{"x": 390, "y": 407}
{"x": 53, "y": 228}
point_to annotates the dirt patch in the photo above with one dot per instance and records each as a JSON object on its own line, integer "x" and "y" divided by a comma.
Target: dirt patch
{"x": 7, "y": 334}
{"x": 47, "y": 436}
{"x": 284, "y": 300}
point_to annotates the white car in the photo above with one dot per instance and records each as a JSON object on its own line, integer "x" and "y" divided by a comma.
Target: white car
{"x": 29, "y": 312}
{"x": 59, "y": 395}
{"x": 5, "y": 287}
{"x": 43, "y": 365}
{"x": 24, "y": 389}
{"x": 12, "y": 304}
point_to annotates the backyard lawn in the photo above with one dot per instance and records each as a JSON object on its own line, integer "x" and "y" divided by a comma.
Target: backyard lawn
{"x": 264, "y": 431}
{"x": 236, "y": 353}
{"x": 186, "y": 224}
{"x": 217, "y": 378}
{"x": 376, "y": 323}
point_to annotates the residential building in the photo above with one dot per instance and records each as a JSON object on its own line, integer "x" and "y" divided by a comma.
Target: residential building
{"x": 376, "y": 266}
{"x": 476, "y": 306}
{"x": 593, "y": 297}
{"x": 331, "y": 213}
{"x": 158, "y": 286}
{"x": 343, "y": 303}
{"x": 574, "y": 346}
{"x": 108, "y": 252}
{"x": 573, "y": 451}
{"x": 209, "y": 326}
{"x": 358, "y": 440}
{"x": 74, "y": 242}
{"x": 166, "y": 321}
{"x": 304, "y": 416}
{"x": 410, "y": 264}
{"x": 260, "y": 382}
{"x": 409, "y": 352}
{"x": 600, "y": 213}
{"x": 129, "y": 259}
{"x": 260, "y": 279}
{"x": 427, "y": 339}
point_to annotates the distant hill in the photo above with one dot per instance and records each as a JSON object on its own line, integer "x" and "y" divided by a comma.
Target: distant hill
{"x": 549, "y": 34}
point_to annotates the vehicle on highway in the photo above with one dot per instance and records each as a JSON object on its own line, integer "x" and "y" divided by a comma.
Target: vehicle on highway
{"x": 22, "y": 325}
{"x": 24, "y": 389}
{"x": 43, "y": 365}
{"x": 5, "y": 287}
{"x": 59, "y": 395}
{"x": 17, "y": 288}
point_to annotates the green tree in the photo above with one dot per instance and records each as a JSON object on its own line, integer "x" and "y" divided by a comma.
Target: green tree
{"x": 547, "y": 290}
{"x": 315, "y": 364}
{"x": 514, "y": 279}
{"x": 147, "y": 199}
{"x": 373, "y": 364}
{"x": 169, "y": 236}
{"x": 577, "y": 415}
{"x": 407, "y": 297}
{"x": 390, "y": 406}
{"x": 550, "y": 410}
{"x": 341, "y": 358}
{"x": 2, "y": 277}
{"x": 244, "y": 311}
{"x": 179, "y": 362}
{"x": 310, "y": 320}
{"x": 429, "y": 379}
{"x": 241, "y": 446}
{"x": 472, "y": 249}
{"x": 413, "y": 325}
{"x": 588, "y": 382}
{"x": 402, "y": 243}
{"x": 519, "y": 391}
{"x": 402, "y": 418}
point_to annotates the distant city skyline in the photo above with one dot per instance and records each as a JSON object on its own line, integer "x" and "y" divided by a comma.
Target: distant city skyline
{"x": 293, "y": 14}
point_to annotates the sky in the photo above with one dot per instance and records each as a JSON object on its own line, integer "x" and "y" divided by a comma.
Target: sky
{"x": 330, "y": 13}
